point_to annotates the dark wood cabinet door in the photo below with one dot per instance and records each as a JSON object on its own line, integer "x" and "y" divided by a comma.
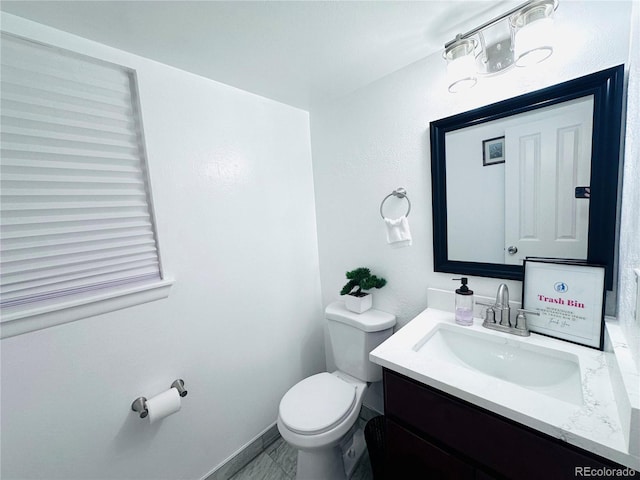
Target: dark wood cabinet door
{"x": 411, "y": 457}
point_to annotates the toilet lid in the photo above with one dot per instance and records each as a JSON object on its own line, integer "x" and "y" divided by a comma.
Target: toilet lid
{"x": 317, "y": 404}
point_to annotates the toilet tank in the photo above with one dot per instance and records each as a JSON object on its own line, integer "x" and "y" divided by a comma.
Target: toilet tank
{"x": 353, "y": 335}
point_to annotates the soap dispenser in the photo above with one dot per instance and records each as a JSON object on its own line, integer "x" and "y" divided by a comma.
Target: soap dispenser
{"x": 464, "y": 303}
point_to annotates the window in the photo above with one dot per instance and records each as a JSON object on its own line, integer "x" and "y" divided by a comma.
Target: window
{"x": 76, "y": 216}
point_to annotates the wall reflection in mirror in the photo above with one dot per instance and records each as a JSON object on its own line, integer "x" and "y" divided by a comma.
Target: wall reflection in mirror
{"x": 532, "y": 176}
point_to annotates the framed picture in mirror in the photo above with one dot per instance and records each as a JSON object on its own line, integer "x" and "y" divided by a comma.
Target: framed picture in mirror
{"x": 493, "y": 151}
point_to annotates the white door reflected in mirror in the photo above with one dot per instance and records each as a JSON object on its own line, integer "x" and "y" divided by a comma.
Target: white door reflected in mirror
{"x": 546, "y": 161}
{"x": 525, "y": 205}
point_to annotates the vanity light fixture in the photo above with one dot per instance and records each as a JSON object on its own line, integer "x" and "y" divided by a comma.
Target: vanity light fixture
{"x": 522, "y": 36}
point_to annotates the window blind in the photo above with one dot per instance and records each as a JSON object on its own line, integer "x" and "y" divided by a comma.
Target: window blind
{"x": 75, "y": 203}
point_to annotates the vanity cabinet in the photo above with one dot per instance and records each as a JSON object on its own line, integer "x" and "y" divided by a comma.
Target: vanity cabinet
{"x": 433, "y": 435}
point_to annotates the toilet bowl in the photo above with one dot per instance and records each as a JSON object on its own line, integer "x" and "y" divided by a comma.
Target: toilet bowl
{"x": 315, "y": 417}
{"x": 318, "y": 416}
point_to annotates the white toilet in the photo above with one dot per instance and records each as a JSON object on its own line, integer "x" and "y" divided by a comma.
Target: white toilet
{"x": 318, "y": 416}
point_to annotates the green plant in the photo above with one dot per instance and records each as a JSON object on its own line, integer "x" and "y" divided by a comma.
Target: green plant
{"x": 361, "y": 279}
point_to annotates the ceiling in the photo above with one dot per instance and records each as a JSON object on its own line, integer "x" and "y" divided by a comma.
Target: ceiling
{"x": 296, "y": 52}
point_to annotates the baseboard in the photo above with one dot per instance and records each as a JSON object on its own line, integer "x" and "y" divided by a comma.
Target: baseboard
{"x": 259, "y": 444}
{"x": 367, "y": 413}
{"x": 245, "y": 455}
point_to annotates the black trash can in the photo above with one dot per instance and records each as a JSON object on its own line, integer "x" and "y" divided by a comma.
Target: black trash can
{"x": 374, "y": 436}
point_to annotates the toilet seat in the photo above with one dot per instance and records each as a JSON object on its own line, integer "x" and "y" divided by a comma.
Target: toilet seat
{"x": 317, "y": 404}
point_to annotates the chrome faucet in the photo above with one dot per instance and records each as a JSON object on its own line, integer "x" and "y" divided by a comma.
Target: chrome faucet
{"x": 497, "y": 316}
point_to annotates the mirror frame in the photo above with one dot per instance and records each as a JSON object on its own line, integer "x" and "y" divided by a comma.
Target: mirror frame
{"x": 606, "y": 87}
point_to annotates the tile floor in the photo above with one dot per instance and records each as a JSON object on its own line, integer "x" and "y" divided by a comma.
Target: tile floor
{"x": 278, "y": 462}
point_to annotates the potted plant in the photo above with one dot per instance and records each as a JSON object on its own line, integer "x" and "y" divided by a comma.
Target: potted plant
{"x": 360, "y": 279}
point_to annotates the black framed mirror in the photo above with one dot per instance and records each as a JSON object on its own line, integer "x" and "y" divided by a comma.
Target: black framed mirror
{"x": 604, "y": 90}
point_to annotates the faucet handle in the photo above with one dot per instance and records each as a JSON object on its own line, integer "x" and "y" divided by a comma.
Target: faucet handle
{"x": 490, "y": 315}
{"x": 489, "y": 312}
{"x": 521, "y": 318}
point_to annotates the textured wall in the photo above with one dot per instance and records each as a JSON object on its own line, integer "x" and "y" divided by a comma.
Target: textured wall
{"x": 232, "y": 182}
{"x": 630, "y": 215}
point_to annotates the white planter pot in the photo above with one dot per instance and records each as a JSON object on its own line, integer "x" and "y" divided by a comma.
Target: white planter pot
{"x": 358, "y": 304}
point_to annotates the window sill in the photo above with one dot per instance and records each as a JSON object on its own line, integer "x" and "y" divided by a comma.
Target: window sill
{"x": 24, "y": 321}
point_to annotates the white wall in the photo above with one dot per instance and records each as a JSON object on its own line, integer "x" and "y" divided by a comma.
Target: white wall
{"x": 232, "y": 182}
{"x": 377, "y": 139}
{"x": 629, "y": 253}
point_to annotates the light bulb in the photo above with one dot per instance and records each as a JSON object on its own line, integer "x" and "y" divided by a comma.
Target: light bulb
{"x": 461, "y": 73}
{"x": 461, "y": 65}
{"x": 534, "y": 38}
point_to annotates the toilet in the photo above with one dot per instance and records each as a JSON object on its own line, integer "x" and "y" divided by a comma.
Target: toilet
{"x": 318, "y": 416}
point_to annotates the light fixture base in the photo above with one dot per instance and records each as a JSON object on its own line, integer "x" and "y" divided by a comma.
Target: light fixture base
{"x": 497, "y": 57}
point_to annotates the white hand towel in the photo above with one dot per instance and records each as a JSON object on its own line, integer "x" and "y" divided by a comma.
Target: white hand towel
{"x": 398, "y": 233}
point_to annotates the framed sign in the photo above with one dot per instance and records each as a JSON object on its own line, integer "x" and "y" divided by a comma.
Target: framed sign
{"x": 569, "y": 297}
{"x": 493, "y": 151}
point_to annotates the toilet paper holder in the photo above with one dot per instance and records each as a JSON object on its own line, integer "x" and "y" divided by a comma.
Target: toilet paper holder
{"x": 139, "y": 405}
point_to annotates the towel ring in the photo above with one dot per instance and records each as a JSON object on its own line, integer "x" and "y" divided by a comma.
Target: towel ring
{"x": 399, "y": 193}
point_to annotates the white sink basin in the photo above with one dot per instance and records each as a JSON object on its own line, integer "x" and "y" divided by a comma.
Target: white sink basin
{"x": 547, "y": 371}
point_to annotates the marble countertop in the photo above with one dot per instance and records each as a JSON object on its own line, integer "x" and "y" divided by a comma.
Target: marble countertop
{"x": 600, "y": 424}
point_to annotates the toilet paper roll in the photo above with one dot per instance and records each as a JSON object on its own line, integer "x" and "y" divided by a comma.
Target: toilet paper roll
{"x": 163, "y": 405}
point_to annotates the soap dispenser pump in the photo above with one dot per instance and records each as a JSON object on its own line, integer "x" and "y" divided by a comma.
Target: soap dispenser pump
{"x": 464, "y": 303}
